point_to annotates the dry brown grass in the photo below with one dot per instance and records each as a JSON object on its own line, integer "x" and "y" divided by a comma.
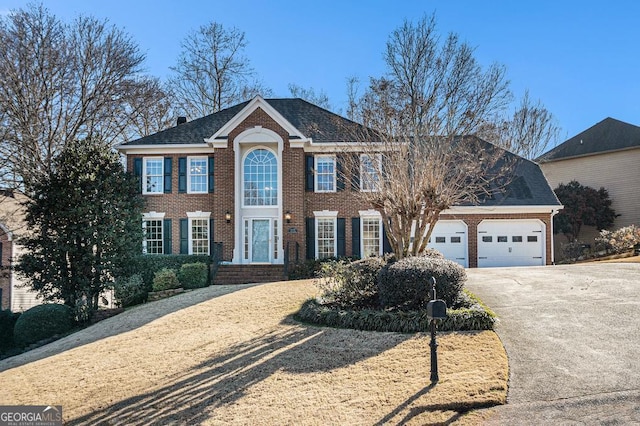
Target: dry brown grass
{"x": 239, "y": 359}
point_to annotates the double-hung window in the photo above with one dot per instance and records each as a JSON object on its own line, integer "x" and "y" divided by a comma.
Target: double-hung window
{"x": 370, "y": 169}
{"x": 197, "y": 175}
{"x": 325, "y": 173}
{"x": 152, "y": 242}
{"x": 371, "y": 236}
{"x": 152, "y": 172}
{"x": 326, "y": 234}
{"x": 199, "y": 232}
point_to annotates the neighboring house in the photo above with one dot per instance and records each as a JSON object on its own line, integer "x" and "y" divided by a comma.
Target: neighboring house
{"x": 13, "y": 294}
{"x": 260, "y": 182}
{"x": 605, "y": 155}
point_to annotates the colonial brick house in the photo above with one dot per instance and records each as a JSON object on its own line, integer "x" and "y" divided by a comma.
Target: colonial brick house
{"x": 260, "y": 182}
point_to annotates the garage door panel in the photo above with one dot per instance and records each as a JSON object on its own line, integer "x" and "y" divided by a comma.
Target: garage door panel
{"x": 510, "y": 243}
{"x": 449, "y": 237}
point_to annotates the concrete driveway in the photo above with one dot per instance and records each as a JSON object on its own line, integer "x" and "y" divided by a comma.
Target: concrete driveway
{"x": 572, "y": 335}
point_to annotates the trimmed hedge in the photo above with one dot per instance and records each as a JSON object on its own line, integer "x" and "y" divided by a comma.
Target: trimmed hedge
{"x": 165, "y": 279}
{"x": 474, "y": 317}
{"x": 130, "y": 291}
{"x": 148, "y": 265}
{"x": 7, "y": 323}
{"x": 405, "y": 283}
{"x": 193, "y": 275}
{"x": 351, "y": 283}
{"x": 42, "y": 322}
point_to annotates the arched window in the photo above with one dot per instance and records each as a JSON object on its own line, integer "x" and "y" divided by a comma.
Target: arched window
{"x": 260, "y": 178}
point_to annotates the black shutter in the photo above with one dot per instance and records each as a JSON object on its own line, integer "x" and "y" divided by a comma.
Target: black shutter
{"x": 167, "y": 174}
{"x": 355, "y": 173}
{"x": 184, "y": 236}
{"x": 355, "y": 236}
{"x": 167, "y": 247}
{"x": 182, "y": 175}
{"x": 339, "y": 173}
{"x": 308, "y": 159}
{"x": 386, "y": 247}
{"x": 137, "y": 170}
{"x": 211, "y": 244}
{"x": 211, "y": 166}
{"x": 311, "y": 237}
{"x": 0, "y": 263}
{"x": 342, "y": 244}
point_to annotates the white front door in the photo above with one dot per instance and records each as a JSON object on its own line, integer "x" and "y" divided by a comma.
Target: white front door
{"x": 260, "y": 240}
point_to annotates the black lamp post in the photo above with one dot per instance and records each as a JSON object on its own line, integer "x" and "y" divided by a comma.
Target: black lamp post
{"x": 436, "y": 309}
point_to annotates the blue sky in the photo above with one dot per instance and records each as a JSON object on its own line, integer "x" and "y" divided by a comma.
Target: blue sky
{"x": 580, "y": 58}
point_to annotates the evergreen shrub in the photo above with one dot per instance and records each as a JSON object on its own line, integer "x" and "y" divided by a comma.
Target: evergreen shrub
{"x": 130, "y": 291}
{"x": 193, "y": 275}
{"x": 165, "y": 279}
{"x": 7, "y": 323}
{"x": 405, "y": 284}
{"x": 42, "y": 322}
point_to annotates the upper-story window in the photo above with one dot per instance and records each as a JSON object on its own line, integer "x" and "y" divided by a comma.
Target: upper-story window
{"x": 325, "y": 173}
{"x": 260, "y": 178}
{"x": 197, "y": 175}
{"x": 152, "y": 173}
{"x": 370, "y": 167}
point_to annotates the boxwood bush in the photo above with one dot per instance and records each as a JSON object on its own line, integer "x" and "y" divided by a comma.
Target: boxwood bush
{"x": 351, "y": 283}
{"x": 193, "y": 275}
{"x": 405, "y": 283}
{"x": 148, "y": 265}
{"x": 165, "y": 279}
{"x": 42, "y": 322}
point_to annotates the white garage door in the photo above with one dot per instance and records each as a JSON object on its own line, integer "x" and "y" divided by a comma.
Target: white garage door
{"x": 511, "y": 243}
{"x": 449, "y": 237}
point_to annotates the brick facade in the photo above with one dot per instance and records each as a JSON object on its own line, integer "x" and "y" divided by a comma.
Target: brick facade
{"x": 295, "y": 200}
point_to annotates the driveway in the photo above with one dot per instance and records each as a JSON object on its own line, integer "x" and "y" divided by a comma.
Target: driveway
{"x": 572, "y": 335}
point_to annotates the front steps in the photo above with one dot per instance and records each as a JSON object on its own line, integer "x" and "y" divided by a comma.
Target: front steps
{"x": 244, "y": 274}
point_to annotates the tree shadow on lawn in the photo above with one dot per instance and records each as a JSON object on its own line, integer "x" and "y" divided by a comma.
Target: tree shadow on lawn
{"x": 128, "y": 320}
{"x": 225, "y": 378}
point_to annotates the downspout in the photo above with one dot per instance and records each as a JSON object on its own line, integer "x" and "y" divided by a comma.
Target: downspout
{"x": 553, "y": 254}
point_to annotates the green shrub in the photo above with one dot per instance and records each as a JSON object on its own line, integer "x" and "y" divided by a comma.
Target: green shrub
{"x": 476, "y": 316}
{"x": 193, "y": 275}
{"x": 7, "y": 323}
{"x": 130, "y": 291}
{"x": 405, "y": 283}
{"x": 165, "y": 279}
{"x": 351, "y": 283}
{"x": 148, "y": 265}
{"x": 42, "y": 322}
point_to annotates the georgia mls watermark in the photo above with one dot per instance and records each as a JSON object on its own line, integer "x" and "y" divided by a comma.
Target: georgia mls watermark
{"x": 30, "y": 415}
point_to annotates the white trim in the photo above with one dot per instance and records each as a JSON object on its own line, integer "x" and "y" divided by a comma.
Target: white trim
{"x": 376, "y": 170}
{"x": 334, "y": 219}
{"x": 337, "y": 147}
{"x": 7, "y": 232}
{"x": 165, "y": 149}
{"x": 278, "y": 186}
{"x": 375, "y": 215}
{"x": 315, "y": 174}
{"x": 206, "y": 174}
{"x": 550, "y": 210}
{"x": 198, "y": 215}
{"x": 254, "y": 104}
{"x": 325, "y": 213}
{"x": 152, "y": 215}
{"x": 369, "y": 213}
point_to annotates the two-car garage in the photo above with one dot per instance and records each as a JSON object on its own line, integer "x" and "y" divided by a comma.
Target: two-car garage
{"x": 500, "y": 242}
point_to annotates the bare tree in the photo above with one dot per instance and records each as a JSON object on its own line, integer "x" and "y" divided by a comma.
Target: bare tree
{"x": 62, "y": 82}
{"x": 528, "y": 132}
{"x": 320, "y": 98}
{"x": 420, "y": 159}
{"x": 212, "y": 72}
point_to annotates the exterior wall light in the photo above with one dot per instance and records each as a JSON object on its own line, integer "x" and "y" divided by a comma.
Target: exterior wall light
{"x": 287, "y": 216}
{"x": 227, "y": 217}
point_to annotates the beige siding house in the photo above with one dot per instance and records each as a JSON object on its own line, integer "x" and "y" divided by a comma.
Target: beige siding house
{"x": 605, "y": 155}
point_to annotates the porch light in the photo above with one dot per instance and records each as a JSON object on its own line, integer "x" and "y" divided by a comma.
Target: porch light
{"x": 287, "y": 216}
{"x": 227, "y": 217}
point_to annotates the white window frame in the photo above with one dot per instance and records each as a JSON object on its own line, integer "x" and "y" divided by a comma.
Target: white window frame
{"x": 148, "y": 217}
{"x": 371, "y": 215}
{"x": 160, "y": 190}
{"x": 378, "y": 157}
{"x": 318, "y": 158}
{"x": 206, "y": 175}
{"x": 326, "y": 215}
{"x": 243, "y": 172}
{"x": 195, "y": 216}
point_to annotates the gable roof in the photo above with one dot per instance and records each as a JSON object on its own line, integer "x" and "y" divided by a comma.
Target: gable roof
{"x": 608, "y": 135}
{"x": 318, "y": 124}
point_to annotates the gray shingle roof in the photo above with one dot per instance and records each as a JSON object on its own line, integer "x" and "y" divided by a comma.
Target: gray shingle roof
{"x": 311, "y": 120}
{"x": 608, "y": 135}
